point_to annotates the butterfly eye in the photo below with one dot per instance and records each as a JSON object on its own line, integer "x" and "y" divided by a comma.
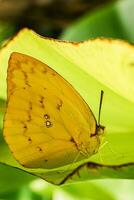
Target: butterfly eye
{"x": 100, "y": 130}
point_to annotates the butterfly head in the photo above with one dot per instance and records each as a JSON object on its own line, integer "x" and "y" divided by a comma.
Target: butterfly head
{"x": 89, "y": 146}
{"x": 100, "y": 130}
{"x": 96, "y": 139}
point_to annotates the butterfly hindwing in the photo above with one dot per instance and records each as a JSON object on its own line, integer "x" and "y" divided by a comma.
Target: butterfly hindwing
{"x": 47, "y": 123}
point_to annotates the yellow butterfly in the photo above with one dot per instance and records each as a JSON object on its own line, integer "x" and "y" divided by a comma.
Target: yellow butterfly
{"x": 47, "y": 123}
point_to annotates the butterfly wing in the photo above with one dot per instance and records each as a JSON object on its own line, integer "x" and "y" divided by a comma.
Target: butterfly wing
{"x": 47, "y": 123}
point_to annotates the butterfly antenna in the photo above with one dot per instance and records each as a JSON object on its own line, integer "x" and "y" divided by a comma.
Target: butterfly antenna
{"x": 101, "y": 98}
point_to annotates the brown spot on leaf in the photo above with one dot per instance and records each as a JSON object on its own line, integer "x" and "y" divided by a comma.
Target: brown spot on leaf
{"x": 78, "y": 174}
{"x": 131, "y": 64}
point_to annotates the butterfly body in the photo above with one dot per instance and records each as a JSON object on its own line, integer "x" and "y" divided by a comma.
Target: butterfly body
{"x": 47, "y": 123}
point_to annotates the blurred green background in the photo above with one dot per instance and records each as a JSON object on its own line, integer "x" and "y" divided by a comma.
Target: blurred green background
{"x": 74, "y": 20}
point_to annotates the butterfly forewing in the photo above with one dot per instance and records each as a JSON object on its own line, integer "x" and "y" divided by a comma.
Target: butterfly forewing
{"x": 47, "y": 123}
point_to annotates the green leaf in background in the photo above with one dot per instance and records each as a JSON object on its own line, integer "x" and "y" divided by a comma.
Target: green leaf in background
{"x": 90, "y": 67}
{"x": 112, "y": 21}
{"x": 16, "y": 177}
{"x": 101, "y": 189}
{"x": 96, "y": 190}
{"x": 6, "y": 30}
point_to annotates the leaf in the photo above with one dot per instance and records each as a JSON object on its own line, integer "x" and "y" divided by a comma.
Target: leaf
{"x": 19, "y": 178}
{"x": 90, "y": 67}
{"x": 113, "y": 21}
{"x": 100, "y": 189}
{"x": 6, "y": 30}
